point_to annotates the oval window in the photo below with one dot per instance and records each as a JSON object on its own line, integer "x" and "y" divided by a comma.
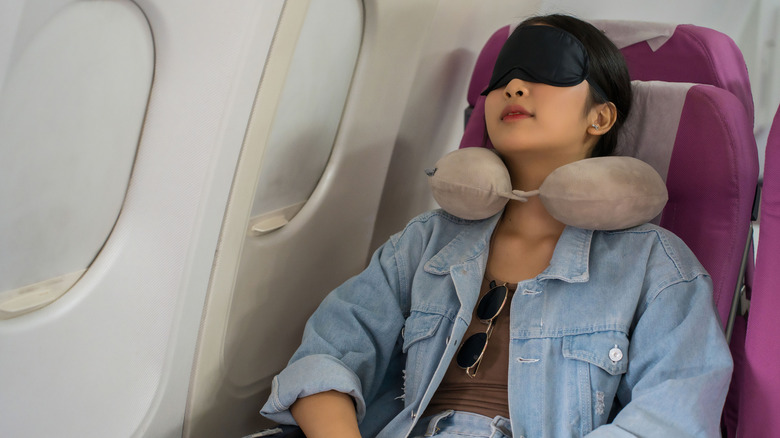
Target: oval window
{"x": 71, "y": 112}
{"x": 309, "y": 111}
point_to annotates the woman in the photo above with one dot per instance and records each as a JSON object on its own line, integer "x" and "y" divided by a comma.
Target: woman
{"x": 565, "y": 331}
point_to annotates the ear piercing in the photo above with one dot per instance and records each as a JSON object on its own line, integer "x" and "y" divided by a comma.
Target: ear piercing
{"x": 595, "y": 126}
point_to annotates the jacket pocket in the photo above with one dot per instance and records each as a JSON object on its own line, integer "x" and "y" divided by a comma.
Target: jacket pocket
{"x": 598, "y": 362}
{"x": 419, "y": 326}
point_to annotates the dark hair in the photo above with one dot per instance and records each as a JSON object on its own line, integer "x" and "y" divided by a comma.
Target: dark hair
{"x": 607, "y": 69}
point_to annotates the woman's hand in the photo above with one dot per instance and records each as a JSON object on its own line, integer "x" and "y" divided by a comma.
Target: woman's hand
{"x": 326, "y": 415}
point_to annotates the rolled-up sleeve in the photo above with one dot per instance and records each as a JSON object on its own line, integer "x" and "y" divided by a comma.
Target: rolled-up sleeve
{"x": 679, "y": 367}
{"x": 348, "y": 342}
{"x": 296, "y": 382}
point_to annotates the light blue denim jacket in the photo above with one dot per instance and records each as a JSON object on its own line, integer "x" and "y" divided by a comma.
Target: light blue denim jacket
{"x": 618, "y": 337}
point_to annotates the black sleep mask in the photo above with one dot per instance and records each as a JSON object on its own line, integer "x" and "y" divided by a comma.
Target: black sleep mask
{"x": 542, "y": 54}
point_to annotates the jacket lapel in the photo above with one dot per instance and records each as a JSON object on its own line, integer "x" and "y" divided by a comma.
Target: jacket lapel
{"x": 464, "y": 259}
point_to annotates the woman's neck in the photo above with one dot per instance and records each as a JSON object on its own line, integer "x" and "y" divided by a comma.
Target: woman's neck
{"x": 523, "y": 242}
{"x": 530, "y": 219}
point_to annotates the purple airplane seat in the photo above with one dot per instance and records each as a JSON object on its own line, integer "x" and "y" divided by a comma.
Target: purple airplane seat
{"x": 760, "y": 377}
{"x": 706, "y": 153}
{"x": 682, "y": 53}
{"x": 699, "y": 138}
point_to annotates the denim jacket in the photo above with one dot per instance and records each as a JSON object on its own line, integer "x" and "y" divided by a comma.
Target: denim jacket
{"x": 618, "y": 337}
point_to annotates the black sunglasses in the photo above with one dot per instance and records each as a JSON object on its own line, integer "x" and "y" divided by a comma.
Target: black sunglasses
{"x": 473, "y": 350}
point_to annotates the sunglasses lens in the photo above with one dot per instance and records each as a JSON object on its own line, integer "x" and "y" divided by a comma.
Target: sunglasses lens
{"x": 471, "y": 350}
{"x": 491, "y": 303}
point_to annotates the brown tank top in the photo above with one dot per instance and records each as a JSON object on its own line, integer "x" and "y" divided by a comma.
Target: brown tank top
{"x": 486, "y": 393}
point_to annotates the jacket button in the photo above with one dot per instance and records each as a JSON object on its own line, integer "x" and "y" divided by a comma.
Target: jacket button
{"x": 615, "y": 354}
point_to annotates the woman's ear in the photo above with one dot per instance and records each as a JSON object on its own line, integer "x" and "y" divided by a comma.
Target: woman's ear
{"x": 603, "y": 117}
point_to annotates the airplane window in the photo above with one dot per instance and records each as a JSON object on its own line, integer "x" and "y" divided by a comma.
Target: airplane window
{"x": 71, "y": 110}
{"x": 308, "y": 113}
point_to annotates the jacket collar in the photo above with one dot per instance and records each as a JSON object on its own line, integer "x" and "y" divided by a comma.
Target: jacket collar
{"x": 569, "y": 261}
{"x": 571, "y": 256}
{"x": 471, "y": 244}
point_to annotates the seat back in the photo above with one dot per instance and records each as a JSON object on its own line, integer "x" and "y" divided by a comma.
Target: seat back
{"x": 682, "y": 53}
{"x": 706, "y": 153}
{"x": 760, "y": 381}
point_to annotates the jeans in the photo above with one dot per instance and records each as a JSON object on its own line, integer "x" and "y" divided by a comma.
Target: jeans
{"x": 462, "y": 424}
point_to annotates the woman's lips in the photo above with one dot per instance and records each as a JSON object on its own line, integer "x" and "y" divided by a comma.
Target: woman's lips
{"x": 514, "y": 112}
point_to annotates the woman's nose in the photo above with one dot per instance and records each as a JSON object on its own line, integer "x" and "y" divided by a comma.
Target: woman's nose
{"x": 515, "y": 87}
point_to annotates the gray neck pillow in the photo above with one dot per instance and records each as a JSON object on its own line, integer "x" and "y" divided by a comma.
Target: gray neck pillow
{"x": 604, "y": 193}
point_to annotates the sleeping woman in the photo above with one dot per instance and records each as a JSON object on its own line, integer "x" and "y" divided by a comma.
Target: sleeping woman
{"x": 520, "y": 325}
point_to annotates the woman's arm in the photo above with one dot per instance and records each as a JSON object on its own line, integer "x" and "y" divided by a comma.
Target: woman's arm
{"x": 326, "y": 414}
{"x": 349, "y": 343}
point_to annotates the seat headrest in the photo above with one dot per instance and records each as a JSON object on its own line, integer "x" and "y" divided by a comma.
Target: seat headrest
{"x": 653, "y": 52}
